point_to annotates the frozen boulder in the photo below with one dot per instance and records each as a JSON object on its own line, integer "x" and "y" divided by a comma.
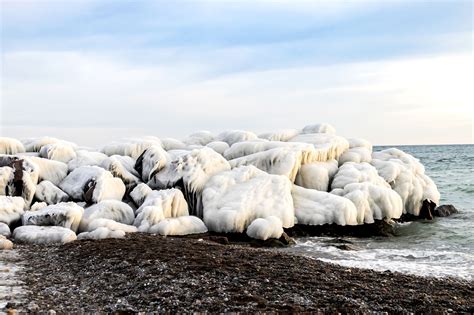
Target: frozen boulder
{"x": 34, "y": 234}
{"x": 107, "y": 209}
{"x": 92, "y": 184}
{"x": 111, "y": 225}
{"x": 38, "y": 206}
{"x": 233, "y": 199}
{"x": 59, "y": 151}
{"x": 50, "y": 193}
{"x": 233, "y": 136}
{"x": 265, "y": 228}
{"x": 280, "y": 135}
{"x": 328, "y": 146}
{"x": 190, "y": 171}
{"x": 151, "y": 161}
{"x": 313, "y": 207}
{"x": 199, "y": 138}
{"x": 319, "y": 128}
{"x": 184, "y": 225}
{"x": 51, "y": 170}
{"x": 172, "y": 144}
{"x": 406, "y": 175}
{"x": 130, "y": 147}
{"x": 218, "y": 146}
{"x": 4, "y": 230}
{"x": 372, "y": 196}
{"x": 122, "y": 167}
{"x": 11, "y": 209}
{"x": 316, "y": 175}
{"x": 139, "y": 193}
{"x": 65, "y": 214}
{"x": 101, "y": 233}
{"x": 359, "y": 151}
{"x": 10, "y": 146}
{"x": 86, "y": 158}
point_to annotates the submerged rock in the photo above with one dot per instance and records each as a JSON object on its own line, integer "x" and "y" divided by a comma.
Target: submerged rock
{"x": 445, "y": 211}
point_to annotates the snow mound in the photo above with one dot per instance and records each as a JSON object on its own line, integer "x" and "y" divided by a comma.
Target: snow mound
{"x": 107, "y": 209}
{"x": 233, "y": 199}
{"x": 43, "y": 234}
{"x": 265, "y": 228}
{"x": 10, "y": 146}
{"x": 50, "y": 193}
{"x": 184, "y": 225}
{"x": 406, "y": 175}
{"x": 316, "y": 175}
{"x": 11, "y": 209}
{"x": 313, "y": 207}
{"x": 65, "y": 214}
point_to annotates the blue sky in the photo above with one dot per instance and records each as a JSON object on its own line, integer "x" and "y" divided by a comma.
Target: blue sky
{"x": 92, "y": 71}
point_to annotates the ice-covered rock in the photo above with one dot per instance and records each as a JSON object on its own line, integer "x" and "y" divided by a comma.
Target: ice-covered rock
{"x": 139, "y": 193}
{"x": 11, "y": 209}
{"x": 130, "y": 147}
{"x": 172, "y": 144}
{"x": 65, "y": 214}
{"x": 245, "y": 148}
{"x": 10, "y": 146}
{"x": 233, "y": 136}
{"x": 111, "y": 225}
{"x": 218, "y": 146}
{"x": 51, "y": 170}
{"x": 4, "y": 230}
{"x": 35, "y": 144}
{"x": 107, "y": 209}
{"x": 313, "y": 207}
{"x": 184, "y": 225}
{"x": 190, "y": 171}
{"x": 92, "y": 184}
{"x": 265, "y": 228}
{"x": 319, "y": 128}
{"x": 199, "y": 138}
{"x": 151, "y": 161}
{"x": 43, "y": 234}
{"x": 101, "y": 233}
{"x": 359, "y": 151}
{"x": 4, "y": 243}
{"x": 233, "y": 199}
{"x": 406, "y": 175}
{"x": 372, "y": 196}
{"x": 317, "y": 175}
{"x": 158, "y": 205}
{"x": 122, "y": 167}
{"x": 280, "y": 135}
{"x": 86, "y": 158}
{"x": 50, "y": 193}
{"x": 328, "y": 146}
{"x": 38, "y": 206}
{"x": 59, "y": 151}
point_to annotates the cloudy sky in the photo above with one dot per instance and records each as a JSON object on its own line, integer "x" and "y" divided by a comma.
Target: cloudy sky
{"x": 393, "y": 72}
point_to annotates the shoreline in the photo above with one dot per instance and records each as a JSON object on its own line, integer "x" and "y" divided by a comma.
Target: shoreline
{"x": 152, "y": 273}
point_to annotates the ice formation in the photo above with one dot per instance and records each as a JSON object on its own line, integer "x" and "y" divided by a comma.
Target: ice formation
{"x": 4, "y": 229}
{"x": 316, "y": 175}
{"x": 158, "y": 205}
{"x": 11, "y": 209}
{"x": 184, "y": 225}
{"x": 190, "y": 171}
{"x": 92, "y": 184}
{"x": 313, "y": 207}
{"x": 265, "y": 228}
{"x": 43, "y": 234}
{"x": 359, "y": 151}
{"x": 107, "y": 209}
{"x": 65, "y": 214}
{"x": 10, "y": 146}
{"x": 233, "y": 199}
{"x": 406, "y": 175}
{"x": 58, "y": 151}
{"x": 232, "y": 182}
{"x": 50, "y": 193}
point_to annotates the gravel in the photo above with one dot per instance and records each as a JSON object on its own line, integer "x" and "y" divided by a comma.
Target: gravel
{"x": 156, "y": 274}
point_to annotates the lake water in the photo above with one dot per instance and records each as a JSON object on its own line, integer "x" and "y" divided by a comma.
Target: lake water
{"x": 443, "y": 247}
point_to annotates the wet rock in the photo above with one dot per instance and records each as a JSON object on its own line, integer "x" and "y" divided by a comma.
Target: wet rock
{"x": 445, "y": 211}
{"x": 427, "y": 210}
{"x": 283, "y": 241}
{"x": 378, "y": 228}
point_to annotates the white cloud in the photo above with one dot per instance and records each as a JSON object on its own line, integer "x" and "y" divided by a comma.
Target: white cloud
{"x": 415, "y": 100}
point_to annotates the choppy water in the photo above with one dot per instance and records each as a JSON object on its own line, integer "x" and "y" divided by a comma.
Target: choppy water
{"x": 440, "y": 248}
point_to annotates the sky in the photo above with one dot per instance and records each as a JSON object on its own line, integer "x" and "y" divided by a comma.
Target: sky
{"x": 92, "y": 71}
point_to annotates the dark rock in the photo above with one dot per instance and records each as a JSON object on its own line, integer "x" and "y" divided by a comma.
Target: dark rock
{"x": 219, "y": 239}
{"x": 445, "y": 211}
{"x": 283, "y": 241}
{"x": 427, "y": 210}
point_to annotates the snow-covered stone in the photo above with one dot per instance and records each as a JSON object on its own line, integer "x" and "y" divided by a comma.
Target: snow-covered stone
{"x": 50, "y": 193}
{"x": 265, "y": 228}
{"x": 34, "y": 234}
{"x": 11, "y": 209}
{"x": 316, "y": 175}
{"x": 184, "y": 225}
{"x": 107, "y": 209}
{"x": 10, "y": 146}
{"x": 65, "y": 214}
{"x": 4, "y": 230}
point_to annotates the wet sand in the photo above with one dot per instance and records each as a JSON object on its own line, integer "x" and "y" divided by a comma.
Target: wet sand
{"x": 152, "y": 273}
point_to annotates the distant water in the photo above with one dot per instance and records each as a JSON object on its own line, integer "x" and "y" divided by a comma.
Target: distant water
{"x": 443, "y": 247}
